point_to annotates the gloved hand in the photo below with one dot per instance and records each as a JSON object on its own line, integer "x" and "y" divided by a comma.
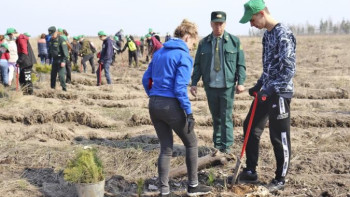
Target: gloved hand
{"x": 253, "y": 89}
{"x": 190, "y": 122}
{"x": 262, "y": 96}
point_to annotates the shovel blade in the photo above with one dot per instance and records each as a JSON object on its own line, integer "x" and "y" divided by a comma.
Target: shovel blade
{"x": 235, "y": 174}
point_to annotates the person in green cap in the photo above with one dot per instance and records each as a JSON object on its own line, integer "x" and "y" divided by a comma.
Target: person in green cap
{"x": 120, "y": 35}
{"x": 59, "y": 53}
{"x": 142, "y": 45}
{"x": 11, "y": 41}
{"x": 64, "y": 34}
{"x": 87, "y": 51}
{"x": 4, "y": 58}
{"x": 106, "y": 57}
{"x": 274, "y": 90}
{"x": 51, "y": 30}
{"x": 131, "y": 45}
{"x": 116, "y": 47}
{"x": 152, "y": 46}
{"x": 26, "y": 60}
{"x": 75, "y": 51}
{"x": 220, "y": 63}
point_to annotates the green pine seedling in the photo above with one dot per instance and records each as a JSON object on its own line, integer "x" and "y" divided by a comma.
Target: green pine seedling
{"x": 140, "y": 185}
{"x": 211, "y": 178}
{"x": 85, "y": 167}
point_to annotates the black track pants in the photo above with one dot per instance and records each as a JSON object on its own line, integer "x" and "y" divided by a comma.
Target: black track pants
{"x": 276, "y": 109}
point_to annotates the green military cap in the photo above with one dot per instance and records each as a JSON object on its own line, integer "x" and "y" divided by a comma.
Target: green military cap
{"x": 27, "y": 34}
{"x": 52, "y": 29}
{"x": 218, "y": 16}
{"x": 116, "y": 38}
{"x": 5, "y": 45}
{"x": 10, "y": 30}
{"x": 101, "y": 33}
{"x": 148, "y": 35}
{"x": 250, "y": 8}
{"x": 150, "y": 30}
{"x": 142, "y": 38}
{"x": 75, "y": 37}
{"x": 60, "y": 29}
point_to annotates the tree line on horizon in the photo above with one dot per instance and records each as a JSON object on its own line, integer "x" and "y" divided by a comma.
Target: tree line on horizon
{"x": 325, "y": 27}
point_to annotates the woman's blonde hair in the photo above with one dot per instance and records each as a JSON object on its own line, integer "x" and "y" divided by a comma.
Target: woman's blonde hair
{"x": 186, "y": 27}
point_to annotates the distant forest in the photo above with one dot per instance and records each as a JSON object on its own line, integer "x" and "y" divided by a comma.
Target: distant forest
{"x": 325, "y": 27}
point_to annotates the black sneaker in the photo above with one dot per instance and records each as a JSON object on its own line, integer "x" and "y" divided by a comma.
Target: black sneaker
{"x": 248, "y": 176}
{"x": 199, "y": 190}
{"x": 275, "y": 185}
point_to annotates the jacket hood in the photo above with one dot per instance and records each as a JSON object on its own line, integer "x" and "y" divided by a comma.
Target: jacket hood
{"x": 23, "y": 37}
{"x": 176, "y": 43}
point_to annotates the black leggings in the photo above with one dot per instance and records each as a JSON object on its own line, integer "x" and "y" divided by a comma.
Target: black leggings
{"x": 167, "y": 115}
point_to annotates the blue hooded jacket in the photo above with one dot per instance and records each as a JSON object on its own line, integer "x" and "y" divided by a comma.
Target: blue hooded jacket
{"x": 170, "y": 70}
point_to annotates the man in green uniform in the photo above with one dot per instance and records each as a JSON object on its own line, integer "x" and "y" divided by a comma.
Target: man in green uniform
{"x": 220, "y": 62}
{"x": 59, "y": 53}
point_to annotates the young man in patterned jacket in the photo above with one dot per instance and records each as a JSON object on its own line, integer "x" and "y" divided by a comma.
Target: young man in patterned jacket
{"x": 274, "y": 91}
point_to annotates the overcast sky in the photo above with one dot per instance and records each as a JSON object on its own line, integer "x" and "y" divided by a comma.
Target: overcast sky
{"x": 136, "y": 16}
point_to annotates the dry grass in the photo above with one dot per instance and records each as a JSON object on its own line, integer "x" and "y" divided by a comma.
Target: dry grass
{"x": 40, "y": 132}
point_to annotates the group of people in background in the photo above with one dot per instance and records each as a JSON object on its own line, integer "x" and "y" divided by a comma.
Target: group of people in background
{"x": 17, "y": 54}
{"x": 55, "y": 49}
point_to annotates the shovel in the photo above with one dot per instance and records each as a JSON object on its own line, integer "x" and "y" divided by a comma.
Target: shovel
{"x": 17, "y": 78}
{"x": 100, "y": 69}
{"x": 238, "y": 164}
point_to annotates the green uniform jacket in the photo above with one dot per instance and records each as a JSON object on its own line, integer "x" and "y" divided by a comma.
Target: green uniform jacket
{"x": 234, "y": 63}
{"x": 58, "y": 49}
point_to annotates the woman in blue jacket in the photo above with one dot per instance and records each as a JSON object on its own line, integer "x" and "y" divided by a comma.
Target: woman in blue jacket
{"x": 165, "y": 82}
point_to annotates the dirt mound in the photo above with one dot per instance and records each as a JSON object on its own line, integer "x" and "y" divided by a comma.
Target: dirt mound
{"x": 67, "y": 96}
{"x": 81, "y": 117}
{"x": 83, "y": 81}
{"x": 44, "y": 133}
{"x": 55, "y": 94}
{"x": 100, "y": 96}
{"x": 321, "y": 94}
{"x": 307, "y": 121}
{"x": 112, "y": 105}
{"x": 37, "y": 116}
{"x": 137, "y": 120}
{"x": 87, "y": 101}
{"x": 243, "y": 189}
{"x": 45, "y": 93}
{"x": 117, "y": 185}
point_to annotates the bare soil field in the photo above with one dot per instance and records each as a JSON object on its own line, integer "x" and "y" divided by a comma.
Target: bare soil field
{"x": 39, "y": 133}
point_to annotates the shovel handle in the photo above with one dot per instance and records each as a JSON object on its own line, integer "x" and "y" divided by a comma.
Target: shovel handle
{"x": 250, "y": 124}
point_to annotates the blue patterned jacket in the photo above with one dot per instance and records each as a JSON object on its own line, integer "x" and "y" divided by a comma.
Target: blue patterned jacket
{"x": 279, "y": 46}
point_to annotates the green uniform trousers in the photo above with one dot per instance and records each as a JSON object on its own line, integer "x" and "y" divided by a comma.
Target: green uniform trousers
{"x": 56, "y": 68}
{"x": 220, "y": 101}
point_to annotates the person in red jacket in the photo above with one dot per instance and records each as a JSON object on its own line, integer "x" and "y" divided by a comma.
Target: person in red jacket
{"x": 153, "y": 45}
{"x": 5, "y": 56}
{"x": 25, "y": 61}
